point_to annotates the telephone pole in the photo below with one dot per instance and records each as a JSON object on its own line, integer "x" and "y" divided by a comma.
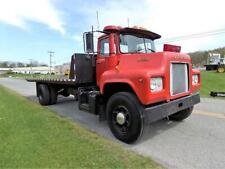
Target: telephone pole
{"x": 31, "y": 64}
{"x": 97, "y": 20}
{"x": 128, "y": 22}
{"x": 50, "y": 60}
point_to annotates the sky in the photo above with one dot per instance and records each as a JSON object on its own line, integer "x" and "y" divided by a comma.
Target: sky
{"x": 31, "y": 28}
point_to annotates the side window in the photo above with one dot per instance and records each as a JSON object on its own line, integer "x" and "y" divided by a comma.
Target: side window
{"x": 104, "y": 47}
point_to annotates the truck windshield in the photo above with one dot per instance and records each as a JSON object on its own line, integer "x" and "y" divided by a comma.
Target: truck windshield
{"x": 136, "y": 44}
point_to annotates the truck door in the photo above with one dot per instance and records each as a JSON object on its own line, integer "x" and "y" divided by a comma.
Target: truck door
{"x": 103, "y": 54}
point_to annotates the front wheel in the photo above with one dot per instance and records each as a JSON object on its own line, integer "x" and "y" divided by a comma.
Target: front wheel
{"x": 181, "y": 115}
{"x": 124, "y": 113}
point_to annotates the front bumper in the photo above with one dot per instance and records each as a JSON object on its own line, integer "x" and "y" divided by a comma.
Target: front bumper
{"x": 163, "y": 110}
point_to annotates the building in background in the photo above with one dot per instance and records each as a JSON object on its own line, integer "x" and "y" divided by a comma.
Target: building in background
{"x": 62, "y": 69}
{"x": 29, "y": 70}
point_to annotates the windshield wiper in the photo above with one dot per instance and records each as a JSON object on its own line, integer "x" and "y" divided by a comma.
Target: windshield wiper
{"x": 151, "y": 50}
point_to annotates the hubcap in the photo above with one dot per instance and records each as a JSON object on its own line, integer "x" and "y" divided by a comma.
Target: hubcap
{"x": 120, "y": 118}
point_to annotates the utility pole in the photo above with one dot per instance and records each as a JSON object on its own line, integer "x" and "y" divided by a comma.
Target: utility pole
{"x": 97, "y": 20}
{"x": 128, "y": 22}
{"x": 50, "y": 60}
{"x": 31, "y": 66}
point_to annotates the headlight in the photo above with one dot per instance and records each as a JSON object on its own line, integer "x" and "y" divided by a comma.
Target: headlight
{"x": 194, "y": 79}
{"x": 156, "y": 84}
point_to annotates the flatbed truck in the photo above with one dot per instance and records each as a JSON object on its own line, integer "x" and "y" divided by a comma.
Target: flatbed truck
{"x": 126, "y": 82}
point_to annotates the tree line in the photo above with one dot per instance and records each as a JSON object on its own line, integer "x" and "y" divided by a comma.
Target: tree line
{"x": 8, "y": 64}
{"x": 200, "y": 58}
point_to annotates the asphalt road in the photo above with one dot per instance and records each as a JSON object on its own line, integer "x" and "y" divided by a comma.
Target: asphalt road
{"x": 198, "y": 142}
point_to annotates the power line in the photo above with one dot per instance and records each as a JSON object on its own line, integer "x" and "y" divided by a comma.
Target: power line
{"x": 193, "y": 36}
{"x": 63, "y": 59}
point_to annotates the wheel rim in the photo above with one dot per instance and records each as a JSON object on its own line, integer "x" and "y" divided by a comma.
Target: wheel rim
{"x": 221, "y": 70}
{"x": 121, "y": 119}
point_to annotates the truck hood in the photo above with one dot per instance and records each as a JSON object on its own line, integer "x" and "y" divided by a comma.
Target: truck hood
{"x": 151, "y": 62}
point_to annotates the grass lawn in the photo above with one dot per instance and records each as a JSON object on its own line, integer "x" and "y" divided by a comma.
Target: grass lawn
{"x": 32, "y": 136}
{"x": 212, "y": 81}
{"x": 24, "y": 76}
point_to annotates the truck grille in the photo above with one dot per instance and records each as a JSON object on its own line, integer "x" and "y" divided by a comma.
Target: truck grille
{"x": 178, "y": 78}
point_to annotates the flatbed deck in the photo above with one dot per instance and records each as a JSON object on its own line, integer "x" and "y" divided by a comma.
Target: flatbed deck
{"x": 53, "y": 81}
{"x": 60, "y": 81}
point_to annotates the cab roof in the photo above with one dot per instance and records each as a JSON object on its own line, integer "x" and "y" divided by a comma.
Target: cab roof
{"x": 132, "y": 30}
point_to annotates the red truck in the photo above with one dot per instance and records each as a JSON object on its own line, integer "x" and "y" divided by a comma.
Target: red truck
{"x": 126, "y": 82}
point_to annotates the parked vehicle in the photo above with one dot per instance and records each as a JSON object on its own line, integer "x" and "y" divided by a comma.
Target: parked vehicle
{"x": 215, "y": 62}
{"x": 126, "y": 82}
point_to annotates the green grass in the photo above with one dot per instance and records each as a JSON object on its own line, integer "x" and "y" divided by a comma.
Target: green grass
{"x": 212, "y": 81}
{"x": 32, "y": 136}
{"x": 24, "y": 76}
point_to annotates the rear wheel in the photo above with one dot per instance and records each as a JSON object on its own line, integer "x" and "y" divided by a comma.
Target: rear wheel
{"x": 43, "y": 94}
{"x": 53, "y": 95}
{"x": 181, "y": 115}
{"x": 125, "y": 117}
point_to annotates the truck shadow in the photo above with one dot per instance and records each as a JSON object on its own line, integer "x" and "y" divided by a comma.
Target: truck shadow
{"x": 156, "y": 129}
{"x": 68, "y": 107}
{"x": 61, "y": 99}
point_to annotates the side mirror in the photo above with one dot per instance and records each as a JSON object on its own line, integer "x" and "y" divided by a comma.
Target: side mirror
{"x": 88, "y": 39}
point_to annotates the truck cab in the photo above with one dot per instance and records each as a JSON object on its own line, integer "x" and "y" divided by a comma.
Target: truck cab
{"x": 127, "y": 57}
{"x": 140, "y": 85}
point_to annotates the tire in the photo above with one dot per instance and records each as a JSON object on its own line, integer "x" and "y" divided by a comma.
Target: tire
{"x": 127, "y": 105}
{"x": 43, "y": 94}
{"x": 181, "y": 115}
{"x": 221, "y": 69}
{"x": 53, "y": 95}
